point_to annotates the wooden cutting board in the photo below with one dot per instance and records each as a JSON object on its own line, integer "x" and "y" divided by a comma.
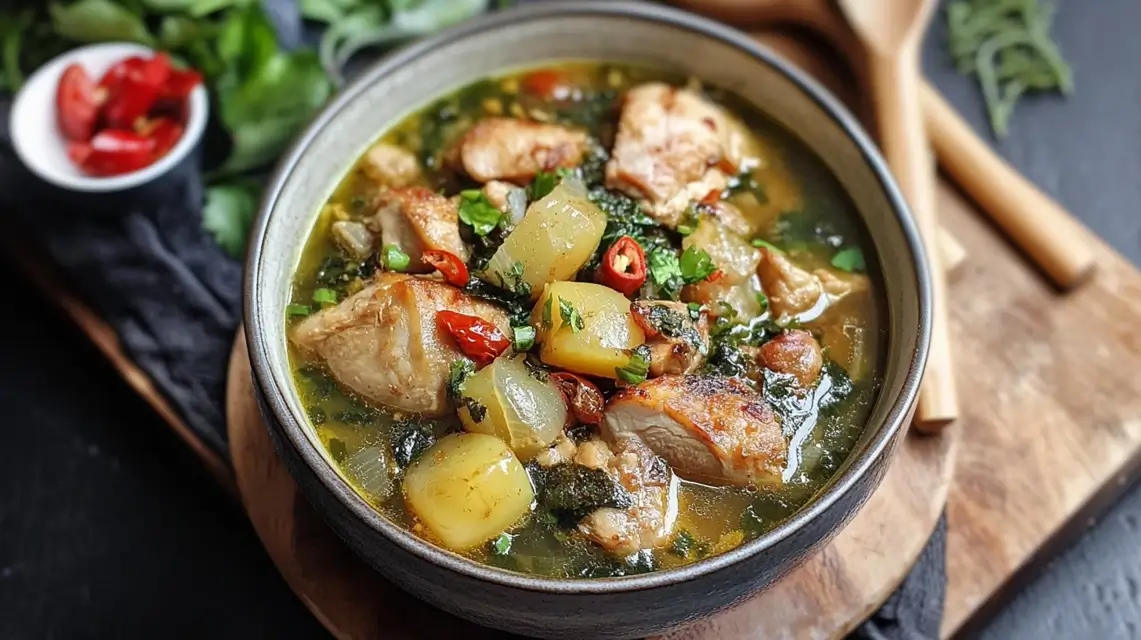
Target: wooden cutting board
{"x": 1050, "y": 435}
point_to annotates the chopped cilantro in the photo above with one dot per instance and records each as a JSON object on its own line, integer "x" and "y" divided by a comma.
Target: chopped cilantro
{"x": 696, "y": 265}
{"x": 638, "y": 368}
{"x": 849, "y": 259}
{"x": 460, "y": 370}
{"x": 514, "y": 282}
{"x": 570, "y": 316}
{"x": 477, "y": 212}
{"x": 665, "y": 272}
{"x": 501, "y": 544}
{"x": 543, "y": 183}
{"x": 547, "y": 308}
{"x": 763, "y": 300}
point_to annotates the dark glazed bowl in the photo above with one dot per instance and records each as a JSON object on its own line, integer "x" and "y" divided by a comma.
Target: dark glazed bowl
{"x": 639, "y": 33}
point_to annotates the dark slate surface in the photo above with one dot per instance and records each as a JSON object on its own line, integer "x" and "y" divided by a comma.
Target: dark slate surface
{"x": 109, "y": 529}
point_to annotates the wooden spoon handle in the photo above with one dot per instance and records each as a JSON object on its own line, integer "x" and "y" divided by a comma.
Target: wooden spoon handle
{"x": 1037, "y": 224}
{"x": 895, "y": 83}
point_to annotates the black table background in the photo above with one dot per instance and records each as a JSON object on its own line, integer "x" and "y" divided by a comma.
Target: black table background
{"x": 110, "y": 528}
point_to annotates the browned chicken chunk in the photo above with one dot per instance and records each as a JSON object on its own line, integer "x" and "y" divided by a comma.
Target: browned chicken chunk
{"x": 678, "y": 343}
{"x": 391, "y": 166}
{"x": 384, "y": 343}
{"x": 667, "y": 149}
{"x": 515, "y": 150}
{"x": 793, "y": 292}
{"x": 649, "y": 522}
{"x": 712, "y": 430}
{"x": 417, "y": 219}
{"x": 796, "y": 353}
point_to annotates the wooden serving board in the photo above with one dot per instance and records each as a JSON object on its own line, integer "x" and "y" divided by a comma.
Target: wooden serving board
{"x": 1051, "y": 434}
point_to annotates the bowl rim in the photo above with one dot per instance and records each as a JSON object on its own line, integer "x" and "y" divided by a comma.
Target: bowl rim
{"x": 198, "y": 114}
{"x": 426, "y": 551}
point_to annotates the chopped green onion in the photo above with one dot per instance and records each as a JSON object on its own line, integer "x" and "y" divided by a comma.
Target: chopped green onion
{"x": 523, "y": 338}
{"x": 638, "y": 368}
{"x": 570, "y": 316}
{"x": 295, "y": 310}
{"x": 501, "y": 544}
{"x": 849, "y": 259}
{"x": 694, "y": 311}
{"x": 325, "y": 297}
{"x": 695, "y": 265}
{"x": 761, "y": 243}
{"x": 393, "y": 259}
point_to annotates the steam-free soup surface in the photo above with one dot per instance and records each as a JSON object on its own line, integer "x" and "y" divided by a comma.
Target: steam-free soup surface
{"x": 587, "y": 320}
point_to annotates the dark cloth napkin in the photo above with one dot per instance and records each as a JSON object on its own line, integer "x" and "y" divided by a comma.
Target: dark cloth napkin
{"x": 143, "y": 261}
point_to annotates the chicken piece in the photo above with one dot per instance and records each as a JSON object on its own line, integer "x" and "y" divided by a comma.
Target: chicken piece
{"x": 649, "y": 522}
{"x": 737, "y": 260}
{"x": 561, "y": 451}
{"x": 353, "y": 238}
{"x": 515, "y": 150}
{"x": 678, "y": 343}
{"x": 794, "y": 294}
{"x": 593, "y": 453}
{"x": 384, "y": 343}
{"x": 709, "y": 429}
{"x": 417, "y": 220}
{"x": 391, "y": 166}
{"x": 667, "y": 149}
{"x": 840, "y": 285}
{"x": 796, "y": 353}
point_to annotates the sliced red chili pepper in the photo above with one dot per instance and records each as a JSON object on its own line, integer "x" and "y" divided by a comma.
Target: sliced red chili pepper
{"x": 583, "y": 398}
{"x": 113, "y": 77}
{"x": 624, "y": 266}
{"x": 112, "y": 152}
{"x": 449, "y": 265}
{"x": 179, "y": 84}
{"x": 546, "y": 84}
{"x": 477, "y": 338}
{"x": 78, "y": 152}
{"x": 711, "y": 198}
{"x": 164, "y": 131}
{"x": 136, "y": 92}
{"x": 76, "y": 107}
{"x": 715, "y": 276}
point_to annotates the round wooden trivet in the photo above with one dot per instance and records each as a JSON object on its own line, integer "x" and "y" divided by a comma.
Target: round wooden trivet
{"x": 826, "y": 597}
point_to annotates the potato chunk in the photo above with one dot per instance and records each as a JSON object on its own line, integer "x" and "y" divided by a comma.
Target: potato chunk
{"x": 524, "y": 411}
{"x": 554, "y": 240}
{"x": 467, "y": 489}
{"x": 606, "y": 335}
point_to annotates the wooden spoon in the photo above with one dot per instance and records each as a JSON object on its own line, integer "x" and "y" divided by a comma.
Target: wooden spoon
{"x": 892, "y": 31}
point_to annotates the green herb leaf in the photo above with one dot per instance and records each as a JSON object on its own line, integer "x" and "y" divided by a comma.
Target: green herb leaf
{"x": 327, "y": 11}
{"x": 228, "y": 213}
{"x": 477, "y": 212}
{"x": 296, "y": 310}
{"x": 98, "y": 21}
{"x": 543, "y": 183}
{"x": 523, "y": 338}
{"x": 501, "y": 544}
{"x": 696, "y": 265}
{"x": 458, "y": 374}
{"x": 514, "y": 281}
{"x": 638, "y": 368}
{"x": 393, "y": 259}
{"x": 763, "y": 300}
{"x": 570, "y": 316}
{"x": 325, "y": 297}
{"x": 765, "y": 244}
{"x": 849, "y": 259}
{"x": 694, "y": 311}
{"x": 547, "y": 309}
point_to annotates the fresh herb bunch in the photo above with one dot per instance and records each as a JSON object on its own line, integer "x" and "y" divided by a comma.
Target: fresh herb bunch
{"x": 1006, "y": 44}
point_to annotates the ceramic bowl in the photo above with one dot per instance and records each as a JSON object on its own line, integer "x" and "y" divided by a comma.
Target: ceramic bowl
{"x": 42, "y": 148}
{"x": 614, "y": 31}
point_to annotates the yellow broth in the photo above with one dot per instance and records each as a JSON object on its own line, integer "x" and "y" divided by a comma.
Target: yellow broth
{"x": 793, "y": 202}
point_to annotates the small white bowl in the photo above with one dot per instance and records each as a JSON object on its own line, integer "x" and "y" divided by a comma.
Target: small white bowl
{"x": 40, "y": 145}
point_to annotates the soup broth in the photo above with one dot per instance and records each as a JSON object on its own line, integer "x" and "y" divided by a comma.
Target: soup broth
{"x": 743, "y": 261}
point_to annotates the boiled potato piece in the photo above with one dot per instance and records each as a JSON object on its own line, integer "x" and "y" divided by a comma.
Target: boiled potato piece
{"x": 607, "y": 334}
{"x": 525, "y": 412}
{"x": 467, "y": 489}
{"x": 554, "y": 240}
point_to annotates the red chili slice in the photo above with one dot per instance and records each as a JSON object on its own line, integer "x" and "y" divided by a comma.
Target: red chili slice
{"x": 715, "y": 276}
{"x": 113, "y": 77}
{"x": 113, "y": 152}
{"x": 624, "y": 266}
{"x": 449, "y": 265}
{"x": 180, "y": 83}
{"x": 136, "y": 91}
{"x": 165, "y": 132}
{"x": 477, "y": 338}
{"x": 546, "y": 84}
{"x": 76, "y": 105}
{"x": 583, "y": 398}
